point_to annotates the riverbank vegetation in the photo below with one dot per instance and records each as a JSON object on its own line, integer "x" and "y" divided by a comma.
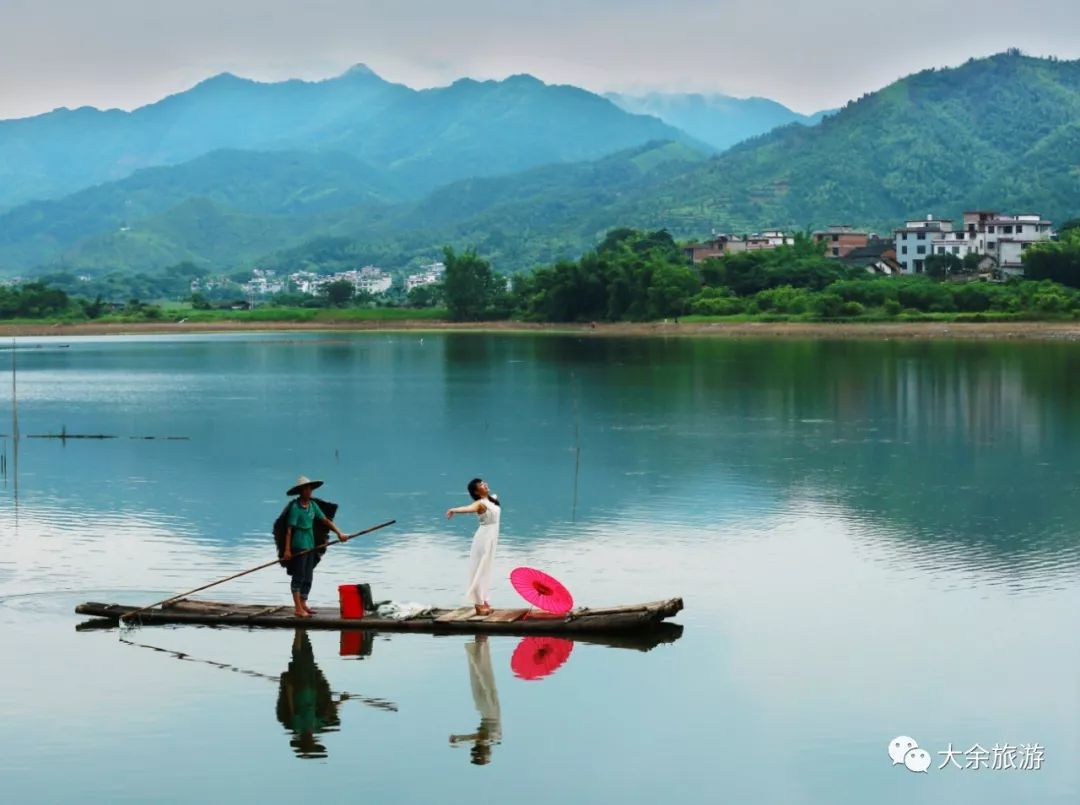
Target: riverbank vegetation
{"x": 634, "y": 276}
{"x": 644, "y": 276}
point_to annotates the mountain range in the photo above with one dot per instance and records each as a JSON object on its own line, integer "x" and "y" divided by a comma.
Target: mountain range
{"x": 423, "y": 138}
{"x": 356, "y": 169}
{"x": 718, "y": 120}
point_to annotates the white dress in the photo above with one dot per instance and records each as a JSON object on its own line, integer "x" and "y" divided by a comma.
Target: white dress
{"x": 482, "y": 555}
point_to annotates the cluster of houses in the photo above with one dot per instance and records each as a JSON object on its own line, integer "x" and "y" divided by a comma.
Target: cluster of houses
{"x": 266, "y": 282}
{"x": 429, "y": 274}
{"x": 367, "y": 280}
{"x": 720, "y": 244}
{"x": 997, "y": 241}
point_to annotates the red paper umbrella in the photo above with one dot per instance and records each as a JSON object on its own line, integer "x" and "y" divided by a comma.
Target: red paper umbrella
{"x": 536, "y": 657}
{"x": 540, "y": 590}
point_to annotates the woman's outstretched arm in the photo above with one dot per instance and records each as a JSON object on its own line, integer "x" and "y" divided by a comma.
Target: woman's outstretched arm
{"x": 476, "y": 506}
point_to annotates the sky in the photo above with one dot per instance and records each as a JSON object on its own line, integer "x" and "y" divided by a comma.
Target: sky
{"x": 126, "y": 53}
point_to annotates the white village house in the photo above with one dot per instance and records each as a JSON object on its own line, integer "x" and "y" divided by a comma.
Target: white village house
{"x": 368, "y": 279}
{"x": 429, "y": 275}
{"x": 1001, "y": 239}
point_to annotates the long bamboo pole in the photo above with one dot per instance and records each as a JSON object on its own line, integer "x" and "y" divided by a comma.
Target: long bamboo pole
{"x": 129, "y": 615}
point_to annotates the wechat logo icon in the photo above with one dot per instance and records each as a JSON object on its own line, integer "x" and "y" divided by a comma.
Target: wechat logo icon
{"x": 905, "y": 750}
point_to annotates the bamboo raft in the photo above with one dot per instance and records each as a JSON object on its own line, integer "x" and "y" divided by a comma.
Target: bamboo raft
{"x": 634, "y": 618}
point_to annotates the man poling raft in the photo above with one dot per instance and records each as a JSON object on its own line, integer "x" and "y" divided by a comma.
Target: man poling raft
{"x": 301, "y": 533}
{"x": 294, "y": 525}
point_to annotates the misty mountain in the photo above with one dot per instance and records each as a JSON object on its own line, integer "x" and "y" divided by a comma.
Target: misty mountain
{"x": 999, "y": 133}
{"x": 719, "y": 120}
{"x": 424, "y": 138}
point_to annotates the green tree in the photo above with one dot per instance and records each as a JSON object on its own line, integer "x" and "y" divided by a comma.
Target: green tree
{"x": 469, "y": 285}
{"x": 716, "y": 302}
{"x": 670, "y": 290}
{"x": 199, "y": 301}
{"x": 339, "y": 292}
{"x": 971, "y": 262}
{"x": 94, "y": 309}
{"x": 425, "y": 296}
{"x": 34, "y": 300}
{"x": 941, "y": 265}
{"x": 1055, "y": 260}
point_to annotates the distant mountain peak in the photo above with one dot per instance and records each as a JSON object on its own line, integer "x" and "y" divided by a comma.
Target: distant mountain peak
{"x": 220, "y": 80}
{"x": 523, "y": 79}
{"x": 360, "y": 70}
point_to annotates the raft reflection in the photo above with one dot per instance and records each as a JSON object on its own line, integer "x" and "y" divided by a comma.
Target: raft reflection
{"x": 485, "y": 699}
{"x": 306, "y": 706}
{"x": 535, "y": 657}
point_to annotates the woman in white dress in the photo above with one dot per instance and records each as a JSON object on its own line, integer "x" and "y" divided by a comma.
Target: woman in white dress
{"x": 485, "y": 541}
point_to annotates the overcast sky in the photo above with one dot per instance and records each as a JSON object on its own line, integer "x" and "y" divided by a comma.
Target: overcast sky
{"x": 125, "y": 53}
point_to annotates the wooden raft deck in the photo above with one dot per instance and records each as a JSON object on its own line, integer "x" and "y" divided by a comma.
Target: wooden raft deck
{"x": 609, "y": 620}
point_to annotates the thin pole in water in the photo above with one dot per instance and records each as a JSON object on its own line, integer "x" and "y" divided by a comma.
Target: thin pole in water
{"x": 14, "y": 397}
{"x": 14, "y": 429}
{"x": 577, "y": 451}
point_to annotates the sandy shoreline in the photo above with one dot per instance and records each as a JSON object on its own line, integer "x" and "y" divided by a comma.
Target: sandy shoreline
{"x": 1029, "y": 330}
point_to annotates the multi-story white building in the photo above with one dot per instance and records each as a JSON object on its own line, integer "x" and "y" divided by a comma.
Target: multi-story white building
{"x": 263, "y": 282}
{"x": 1005, "y": 237}
{"x": 372, "y": 280}
{"x": 915, "y": 241}
{"x": 1002, "y": 238}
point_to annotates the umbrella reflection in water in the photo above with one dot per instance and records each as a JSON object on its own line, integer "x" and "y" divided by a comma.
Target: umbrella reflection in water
{"x": 537, "y": 657}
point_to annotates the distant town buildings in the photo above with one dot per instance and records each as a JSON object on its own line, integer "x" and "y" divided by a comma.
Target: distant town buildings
{"x": 428, "y": 275}
{"x": 367, "y": 280}
{"x": 263, "y": 282}
{"x": 999, "y": 239}
{"x": 266, "y": 282}
{"x": 878, "y": 256}
{"x": 723, "y": 244}
{"x": 841, "y": 239}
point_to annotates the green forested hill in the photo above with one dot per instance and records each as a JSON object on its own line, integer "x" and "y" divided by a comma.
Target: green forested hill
{"x": 282, "y": 184}
{"x": 425, "y": 138}
{"x": 998, "y": 133}
{"x": 1001, "y": 133}
{"x": 522, "y": 220}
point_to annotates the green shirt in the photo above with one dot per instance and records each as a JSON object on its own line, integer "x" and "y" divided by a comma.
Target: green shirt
{"x": 301, "y": 520}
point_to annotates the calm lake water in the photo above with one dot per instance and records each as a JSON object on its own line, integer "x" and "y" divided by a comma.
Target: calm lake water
{"x": 872, "y": 539}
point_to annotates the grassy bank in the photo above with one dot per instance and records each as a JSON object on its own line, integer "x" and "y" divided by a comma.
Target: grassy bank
{"x": 304, "y": 314}
{"x": 940, "y": 328}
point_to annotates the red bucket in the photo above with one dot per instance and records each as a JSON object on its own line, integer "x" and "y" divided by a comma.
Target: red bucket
{"x": 352, "y": 606}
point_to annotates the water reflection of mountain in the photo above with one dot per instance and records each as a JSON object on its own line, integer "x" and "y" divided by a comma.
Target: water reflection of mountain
{"x": 949, "y": 443}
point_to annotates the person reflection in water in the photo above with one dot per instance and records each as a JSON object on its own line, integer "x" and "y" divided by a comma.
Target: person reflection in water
{"x": 306, "y": 705}
{"x": 486, "y": 701}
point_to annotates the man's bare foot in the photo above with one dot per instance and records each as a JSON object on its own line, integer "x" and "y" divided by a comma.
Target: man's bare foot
{"x": 308, "y": 609}
{"x": 300, "y": 613}
{"x": 483, "y": 609}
